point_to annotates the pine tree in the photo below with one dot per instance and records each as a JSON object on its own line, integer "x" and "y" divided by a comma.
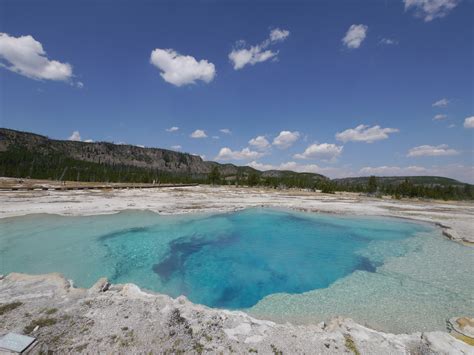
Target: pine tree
{"x": 214, "y": 176}
{"x": 372, "y": 185}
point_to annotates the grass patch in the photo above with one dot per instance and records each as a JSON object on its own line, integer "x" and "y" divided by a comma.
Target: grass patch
{"x": 50, "y": 311}
{"x": 81, "y": 348}
{"x": 41, "y": 322}
{"x": 275, "y": 350}
{"x": 7, "y": 307}
{"x": 350, "y": 344}
{"x": 198, "y": 347}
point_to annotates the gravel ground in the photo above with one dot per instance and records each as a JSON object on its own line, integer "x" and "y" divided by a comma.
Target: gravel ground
{"x": 121, "y": 319}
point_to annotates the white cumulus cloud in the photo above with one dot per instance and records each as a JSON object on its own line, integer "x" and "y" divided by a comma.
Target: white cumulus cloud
{"x": 355, "y": 35}
{"x": 241, "y": 56}
{"x": 441, "y": 103}
{"x": 176, "y": 147}
{"x": 172, "y": 129}
{"x": 365, "y": 133}
{"x": 180, "y": 69}
{"x": 199, "y": 133}
{"x": 25, "y": 55}
{"x": 259, "y": 142}
{"x": 286, "y": 139}
{"x": 431, "y": 151}
{"x": 430, "y": 9}
{"x": 244, "y": 154}
{"x": 225, "y": 131}
{"x": 469, "y": 122}
{"x": 75, "y": 136}
{"x": 325, "y": 151}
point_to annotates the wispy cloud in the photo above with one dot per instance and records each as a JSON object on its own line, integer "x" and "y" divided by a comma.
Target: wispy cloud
{"x": 172, "y": 129}
{"x": 431, "y": 151}
{"x": 430, "y": 9}
{"x": 241, "y": 55}
{"x": 278, "y": 35}
{"x": 388, "y": 41}
{"x": 355, "y": 35}
{"x": 441, "y": 103}
{"x": 440, "y": 117}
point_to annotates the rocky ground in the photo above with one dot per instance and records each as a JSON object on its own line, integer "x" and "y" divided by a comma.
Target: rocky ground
{"x": 122, "y": 319}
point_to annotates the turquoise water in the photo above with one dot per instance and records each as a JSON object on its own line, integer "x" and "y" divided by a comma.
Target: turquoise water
{"x": 274, "y": 263}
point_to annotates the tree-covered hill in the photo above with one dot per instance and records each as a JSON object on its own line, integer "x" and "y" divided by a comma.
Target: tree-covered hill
{"x": 31, "y": 155}
{"x": 396, "y": 180}
{"x": 434, "y": 187}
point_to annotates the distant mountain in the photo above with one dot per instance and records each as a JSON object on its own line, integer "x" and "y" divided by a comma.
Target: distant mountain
{"x": 397, "y": 180}
{"x": 25, "y": 154}
{"x": 31, "y": 155}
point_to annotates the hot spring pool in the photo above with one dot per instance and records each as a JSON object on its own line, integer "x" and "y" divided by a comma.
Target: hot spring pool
{"x": 391, "y": 274}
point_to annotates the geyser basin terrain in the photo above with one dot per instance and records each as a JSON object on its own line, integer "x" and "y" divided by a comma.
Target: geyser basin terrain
{"x": 392, "y": 274}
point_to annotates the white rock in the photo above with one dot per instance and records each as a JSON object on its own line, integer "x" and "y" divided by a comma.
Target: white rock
{"x": 443, "y": 343}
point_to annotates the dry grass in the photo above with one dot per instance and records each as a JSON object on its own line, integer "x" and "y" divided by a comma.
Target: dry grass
{"x": 7, "y": 307}
{"x": 350, "y": 345}
{"x": 41, "y": 322}
{"x": 466, "y": 339}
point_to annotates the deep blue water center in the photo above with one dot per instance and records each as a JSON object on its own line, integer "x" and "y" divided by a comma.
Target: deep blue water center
{"x": 237, "y": 268}
{"x": 230, "y": 260}
{"x": 234, "y": 260}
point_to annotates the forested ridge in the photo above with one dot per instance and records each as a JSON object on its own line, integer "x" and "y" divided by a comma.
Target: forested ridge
{"x": 28, "y": 155}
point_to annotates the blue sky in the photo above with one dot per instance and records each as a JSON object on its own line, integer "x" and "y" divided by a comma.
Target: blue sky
{"x": 337, "y": 87}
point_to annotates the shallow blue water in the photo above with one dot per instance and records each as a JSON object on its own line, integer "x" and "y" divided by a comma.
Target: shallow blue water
{"x": 229, "y": 260}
